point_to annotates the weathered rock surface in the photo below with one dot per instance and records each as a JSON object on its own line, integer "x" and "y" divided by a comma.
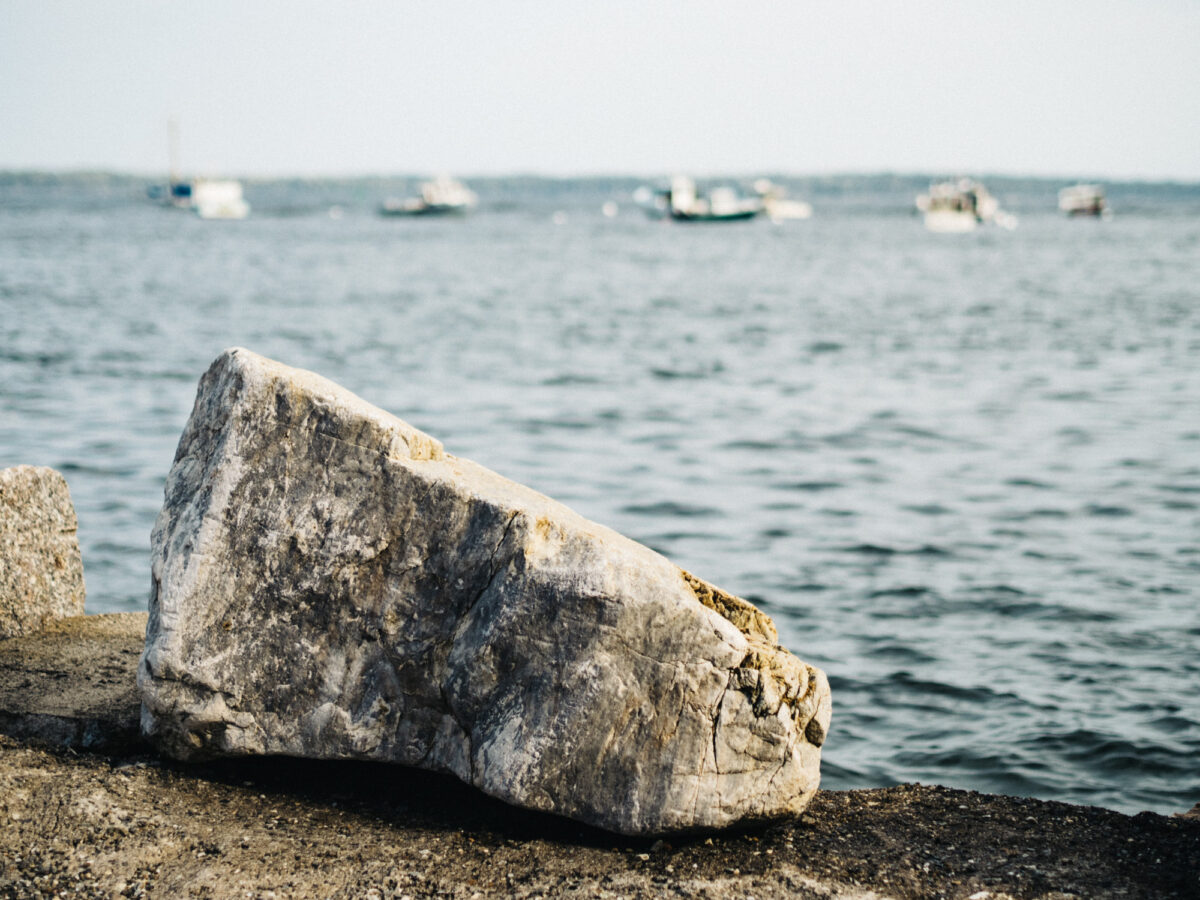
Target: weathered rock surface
{"x": 328, "y": 582}
{"x": 41, "y": 569}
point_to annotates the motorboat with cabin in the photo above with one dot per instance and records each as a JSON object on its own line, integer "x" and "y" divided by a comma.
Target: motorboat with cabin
{"x": 776, "y": 203}
{"x": 961, "y": 205}
{"x": 684, "y": 202}
{"x": 441, "y": 196}
{"x": 1083, "y": 200}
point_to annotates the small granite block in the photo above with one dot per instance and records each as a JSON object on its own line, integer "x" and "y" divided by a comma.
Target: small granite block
{"x": 41, "y": 570}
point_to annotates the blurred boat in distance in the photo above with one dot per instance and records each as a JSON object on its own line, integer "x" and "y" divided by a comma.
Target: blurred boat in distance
{"x": 961, "y": 205}
{"x": 683, "y": 202}
{"x": 1083, "y": 200}
{"x": 209, "y": 198}
{"x": 776, "y": 203}
{"x": 222, "y": 199}
{"x": 441, "y": 196}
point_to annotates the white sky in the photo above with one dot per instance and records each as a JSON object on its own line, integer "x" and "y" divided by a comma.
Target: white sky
{"x": 1105, "y": 88}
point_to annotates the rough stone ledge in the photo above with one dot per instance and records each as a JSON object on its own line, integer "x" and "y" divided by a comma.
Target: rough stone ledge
{"x": 110, "y": 818}
{"x": 72, "y": 684}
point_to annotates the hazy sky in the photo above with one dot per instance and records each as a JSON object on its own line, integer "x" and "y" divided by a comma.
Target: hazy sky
{"x": 260, "y": 87}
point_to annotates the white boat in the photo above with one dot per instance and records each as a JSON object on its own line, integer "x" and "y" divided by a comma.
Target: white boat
{"x": 777, "y": 205}
{"x": 684, "y": 203}
{"x": 219, "y": 199}
{"x": 441, "y": 196}
{"x": 1083, "y": 200}
{"x": 961, "y": 205}
{"x": 209, "y": 198}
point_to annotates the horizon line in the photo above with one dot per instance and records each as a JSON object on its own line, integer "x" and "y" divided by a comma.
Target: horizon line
{"x": 6, "y": 171}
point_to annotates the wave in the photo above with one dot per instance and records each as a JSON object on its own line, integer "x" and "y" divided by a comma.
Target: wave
{"x": 1109, "y": 754}
{"x": 884, "y": 550}
{"x": 672, "y": 509}
{"x": 808, "y": 487}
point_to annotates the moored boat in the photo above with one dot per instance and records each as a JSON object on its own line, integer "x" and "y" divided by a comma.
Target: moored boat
{"x": 683, "y": 202}
{"x": 961, "y": 205}
{"x": 209, "y": 198}
{"x": 441, "y": 196}
{"x": 776, "y": 203}
{"x": 1083, "y": 200}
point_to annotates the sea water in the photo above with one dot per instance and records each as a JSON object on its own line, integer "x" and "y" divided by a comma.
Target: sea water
{"x": 961, "y": 472}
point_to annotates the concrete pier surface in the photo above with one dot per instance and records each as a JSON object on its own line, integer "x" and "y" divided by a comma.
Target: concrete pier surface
{"x": 87, "y": 809}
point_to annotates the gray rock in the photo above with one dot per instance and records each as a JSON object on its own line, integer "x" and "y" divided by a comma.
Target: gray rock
{"x": 41, "y": 569}
{"x": 328, "y": 582}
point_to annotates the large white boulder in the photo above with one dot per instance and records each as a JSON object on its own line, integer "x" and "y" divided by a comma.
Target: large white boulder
{"x": 328, "y": 582}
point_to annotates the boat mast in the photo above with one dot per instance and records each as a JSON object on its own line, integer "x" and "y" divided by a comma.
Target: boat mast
{"x": 173, "y": 176}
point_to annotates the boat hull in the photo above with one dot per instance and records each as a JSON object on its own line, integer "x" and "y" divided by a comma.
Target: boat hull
{"x": 738, "y": 216}
{"x": 946, "y": 221}
{"x": 423, "y": 211}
